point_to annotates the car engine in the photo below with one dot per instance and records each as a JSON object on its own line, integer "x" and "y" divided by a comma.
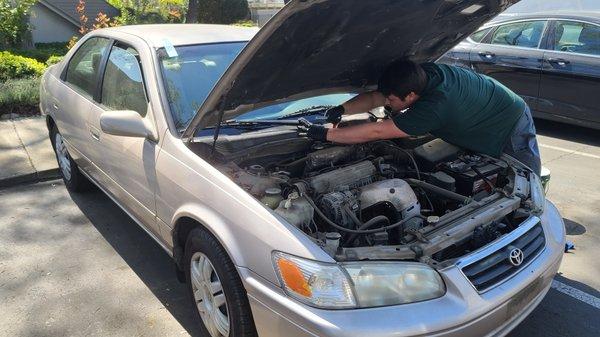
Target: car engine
{"x": 382, "y": 199}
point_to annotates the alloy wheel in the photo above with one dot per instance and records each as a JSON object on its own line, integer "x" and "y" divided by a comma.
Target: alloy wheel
{"x": 209, "y": 296}
{"x": 62, "y": 155}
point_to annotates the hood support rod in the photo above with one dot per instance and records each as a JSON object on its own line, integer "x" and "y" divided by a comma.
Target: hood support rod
{"x": 218, "y": 127}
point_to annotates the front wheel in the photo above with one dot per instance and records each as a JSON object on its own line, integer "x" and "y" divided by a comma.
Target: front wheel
{"x": 216, "y": 288}
{"x": 69, "y": 171}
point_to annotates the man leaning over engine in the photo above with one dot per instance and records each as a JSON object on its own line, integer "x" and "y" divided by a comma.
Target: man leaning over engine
{"x": 464, "y": 108}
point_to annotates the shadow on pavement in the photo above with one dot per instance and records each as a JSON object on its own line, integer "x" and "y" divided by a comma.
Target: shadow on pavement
{"x": 574, "y": 228}
{"x": 141, "y": 253}
{"x": 567, "y": 132}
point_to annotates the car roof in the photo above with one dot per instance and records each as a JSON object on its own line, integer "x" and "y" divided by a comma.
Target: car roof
{"x": 590, "y": 16}
{"x": 160, "y": 35}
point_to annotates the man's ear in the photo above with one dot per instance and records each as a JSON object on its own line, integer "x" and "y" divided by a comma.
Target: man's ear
{"x": 411, "y": 97}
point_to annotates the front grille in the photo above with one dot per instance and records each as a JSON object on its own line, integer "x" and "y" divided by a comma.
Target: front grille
{"x": 496, "y": 267}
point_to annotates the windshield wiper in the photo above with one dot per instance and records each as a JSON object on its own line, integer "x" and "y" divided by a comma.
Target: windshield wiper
{"x": 307, "y": 111}
{"x": 257, "y": 123}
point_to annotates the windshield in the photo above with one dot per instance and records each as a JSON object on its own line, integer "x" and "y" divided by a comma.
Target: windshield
{"x": 190, "y": 73}
{"x": 282, "y": 109}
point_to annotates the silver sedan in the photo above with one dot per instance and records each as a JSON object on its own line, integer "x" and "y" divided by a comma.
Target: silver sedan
{"x": 192, "y": 130}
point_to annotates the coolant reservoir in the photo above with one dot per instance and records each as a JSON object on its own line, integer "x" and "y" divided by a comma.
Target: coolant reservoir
{"x": 296, "y": 210}
{"x": 272, "y": 197}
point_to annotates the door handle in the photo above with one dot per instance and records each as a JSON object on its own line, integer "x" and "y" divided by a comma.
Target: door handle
{"x": 55, "y": 106}
{"x": 486, "y": 54}
{"x": 559, "y": 61}
{"x": 95, "y": 134}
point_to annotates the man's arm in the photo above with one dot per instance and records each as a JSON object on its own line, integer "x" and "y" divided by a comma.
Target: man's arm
{"x": 365, "y": 133}
{"x": 364, "y": 102}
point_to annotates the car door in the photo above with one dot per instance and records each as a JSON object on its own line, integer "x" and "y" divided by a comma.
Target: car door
{"x": 460, "y": 55}
{"x": 73, "y": 97}
{"x": 511, "y": 55}
{"x": 571, "y": 72}
{"x": 127, "y": 163}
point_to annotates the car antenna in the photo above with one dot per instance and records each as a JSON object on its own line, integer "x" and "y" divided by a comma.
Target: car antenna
{"x": 218, "y": 127}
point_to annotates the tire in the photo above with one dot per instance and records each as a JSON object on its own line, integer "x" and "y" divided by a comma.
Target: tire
{"x": 69, "y": 171}
{"x": 228, "y": 301}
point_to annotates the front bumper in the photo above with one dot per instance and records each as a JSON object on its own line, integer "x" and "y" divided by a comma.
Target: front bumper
{"x": 462, "y": 311}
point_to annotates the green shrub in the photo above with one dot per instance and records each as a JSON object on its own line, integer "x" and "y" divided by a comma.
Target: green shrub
{"x": 245, "y": 23}
{"x": 20, "y": 96}
{"x": 222, "y": 11}
{"x": 15, "y": 66}
{"x": 43, "y": 51}
{"x": 53, "y": 60}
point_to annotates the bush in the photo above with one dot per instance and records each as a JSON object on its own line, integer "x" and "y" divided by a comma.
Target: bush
{"x": 52, "y": 60}
{"x": 15, "y": 66}
{"x": 43, "y": 51}
{"x": 20, "y": 96}
{"x": 222, "y": 11}
{"x": 245, "y": 23}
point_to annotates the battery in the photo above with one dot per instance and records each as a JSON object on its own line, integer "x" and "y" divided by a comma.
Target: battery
{"x": 469, "y": 182}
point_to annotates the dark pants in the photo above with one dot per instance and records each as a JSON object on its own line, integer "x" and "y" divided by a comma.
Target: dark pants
{"x": 522, "y": 144}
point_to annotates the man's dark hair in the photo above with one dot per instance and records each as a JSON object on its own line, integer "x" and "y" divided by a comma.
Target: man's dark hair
{"x": 401, "y": 78}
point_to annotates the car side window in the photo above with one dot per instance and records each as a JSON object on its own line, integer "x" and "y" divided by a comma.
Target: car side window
{"x": 123, "y": 83}
{"x": 577, "y": 37}
{"x": 83, "y": 67}
{"x": 478, "y": 36}
{"x": 522, "y": 34}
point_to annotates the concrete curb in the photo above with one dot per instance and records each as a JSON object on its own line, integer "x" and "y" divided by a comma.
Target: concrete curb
{"x": 30, "y": 178}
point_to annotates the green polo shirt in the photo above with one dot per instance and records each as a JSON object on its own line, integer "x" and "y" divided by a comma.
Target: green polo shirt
{"x": 464, "y": 108}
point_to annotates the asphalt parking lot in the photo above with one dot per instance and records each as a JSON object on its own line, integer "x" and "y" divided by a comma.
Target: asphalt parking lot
{"x": 76, "y": 265}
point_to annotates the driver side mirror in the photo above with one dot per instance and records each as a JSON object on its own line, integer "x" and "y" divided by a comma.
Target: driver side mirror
{"x": 127, "y": 123}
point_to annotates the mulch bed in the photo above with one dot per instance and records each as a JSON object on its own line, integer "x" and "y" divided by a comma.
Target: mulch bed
{"x": 21, "y": 110}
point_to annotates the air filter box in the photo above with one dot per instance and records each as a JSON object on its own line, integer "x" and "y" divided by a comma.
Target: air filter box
{"x": 432, "y": 153}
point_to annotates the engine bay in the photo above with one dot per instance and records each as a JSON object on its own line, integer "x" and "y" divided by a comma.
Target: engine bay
{"x": 418, "y": 199}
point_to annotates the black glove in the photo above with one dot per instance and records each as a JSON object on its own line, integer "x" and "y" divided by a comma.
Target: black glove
{"x": 313, "y": 131}
{"x": 334, "y": 115}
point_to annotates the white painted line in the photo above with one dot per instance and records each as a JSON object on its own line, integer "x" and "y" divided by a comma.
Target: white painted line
{"x": 576, "y": 294}
{"x": 562, "y": 149}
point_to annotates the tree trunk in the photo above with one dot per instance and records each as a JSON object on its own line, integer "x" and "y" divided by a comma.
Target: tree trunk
{"x": 192, "y": 13}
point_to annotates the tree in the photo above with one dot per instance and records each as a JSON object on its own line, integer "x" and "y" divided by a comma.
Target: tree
{"x": 218, "y": 11}
{"x": 14, "y": 22}
{"x": 192, "y": 12}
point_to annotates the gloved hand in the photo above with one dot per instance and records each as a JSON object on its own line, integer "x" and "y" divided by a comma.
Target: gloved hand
{"x": 334, "y": 115}
{"x": 313, "y": 131}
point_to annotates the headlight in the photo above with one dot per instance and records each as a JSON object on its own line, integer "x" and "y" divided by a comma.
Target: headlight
{"x": 538, "y": 198}
{"x": 356, "y": 284}
{"x": 314, "y": 283}
{"x": 389, "y": 283}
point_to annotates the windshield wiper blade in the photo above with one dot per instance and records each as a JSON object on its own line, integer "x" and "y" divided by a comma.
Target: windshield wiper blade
{"x": 307, "y": 111}
{"x": 258, "y": 122}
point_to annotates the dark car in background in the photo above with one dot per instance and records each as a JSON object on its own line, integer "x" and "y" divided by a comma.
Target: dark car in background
{"x": 552, "y": 60}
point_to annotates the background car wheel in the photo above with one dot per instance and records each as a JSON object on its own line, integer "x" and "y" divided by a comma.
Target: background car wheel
{"x": 69, "y": 171}
{"x": 216, "y": 288}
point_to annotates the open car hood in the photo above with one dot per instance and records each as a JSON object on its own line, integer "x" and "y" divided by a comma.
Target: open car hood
{"x": 313, "y": 47}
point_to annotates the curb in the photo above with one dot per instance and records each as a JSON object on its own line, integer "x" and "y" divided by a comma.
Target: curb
{"x": 30, "y": 178}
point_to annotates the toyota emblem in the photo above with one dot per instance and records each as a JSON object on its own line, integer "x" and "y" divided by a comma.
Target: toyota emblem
{"x": 515, "y": 257}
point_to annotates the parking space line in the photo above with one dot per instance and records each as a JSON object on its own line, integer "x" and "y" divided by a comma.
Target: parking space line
{"x": 562, "y": 149}
{"x": 576, "y": 294}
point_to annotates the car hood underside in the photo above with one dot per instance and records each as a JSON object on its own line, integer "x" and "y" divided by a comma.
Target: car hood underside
{"x": 320, "y": 46}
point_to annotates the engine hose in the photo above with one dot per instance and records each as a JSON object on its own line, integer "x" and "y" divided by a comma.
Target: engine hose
{"x": 355, "y": 231}
{"x": 362, "y": 226}
{"x": 438, "y": 190}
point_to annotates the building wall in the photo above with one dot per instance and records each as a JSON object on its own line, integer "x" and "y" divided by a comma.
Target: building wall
{"x": 49, "y": 26}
